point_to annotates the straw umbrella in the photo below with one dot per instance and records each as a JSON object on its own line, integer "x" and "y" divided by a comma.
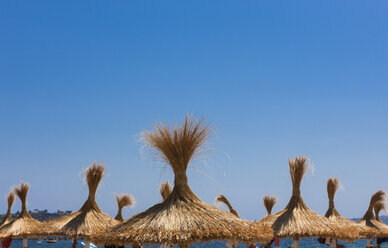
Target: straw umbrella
{"x": 24, "y": 225}
{"x": 297, "y": 220}
{"x": 8, "y": 218}
{"x": 182, "y": 218}
{"x": 222, "y": 198}
{"x": 333, "y": 215}
{"x": 165, "y": 190}
{"x": 124, "y": 200}
{"x": 89, "y": 218}
{"x": 369, "y": 219}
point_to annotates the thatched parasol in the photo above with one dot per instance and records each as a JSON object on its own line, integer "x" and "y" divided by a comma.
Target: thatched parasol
{"x": 269, "y": 202}
{"x": 165, "y": 190}
{"x": 24, "y": 225}
{"x": 297, "y": 220}
{"x": 222, "y": 198}
{"x": 182, "y": 218}
{"x": 369, "y": 219}
{"x": 347, "y": 225}
{"x": 124, "y": 200}
{"x": 8, "y": 218}
{"x": 89, "y": 218}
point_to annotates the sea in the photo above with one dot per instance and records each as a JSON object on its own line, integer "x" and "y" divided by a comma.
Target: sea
{"x": 284, "y": 243}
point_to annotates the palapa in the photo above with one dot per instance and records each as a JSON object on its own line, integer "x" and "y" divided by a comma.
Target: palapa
{"x": 369, "y": 219}
{"x": 125, "y": 200}
{"x": 24, "y": 225}
{"x": 351, "y": 227}
{"x": 89, "y": 218}
{"x": 182, "y": 218}
{"x": 297, "y": 220}
{"x": 8, "y": 218}
{"x": 222, "y": 198}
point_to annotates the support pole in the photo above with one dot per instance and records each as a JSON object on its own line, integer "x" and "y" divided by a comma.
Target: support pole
{"x": 368, "y": 243}
{"x": 24, "y": 242}
{"x": 333, "y": 243}
{"x": 295, "y": 243}
{"x": 87, "y": 244}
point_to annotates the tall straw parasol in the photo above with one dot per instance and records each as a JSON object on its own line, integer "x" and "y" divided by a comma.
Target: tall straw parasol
{"x": 222, "y": 198}
{"x": 269, "y": 202}
{"x": 165, "y": 190}
{"x": 297, "y": 220}
{"x": 346, "y": 224}
{"x": 369, "y": 219}
{"x": 8, "y": 218}
{"x": 24, "y": 225}
{"x": 124, "y": 200}
{"x": 182, "y": 218}
{"x": 89, "y": 218}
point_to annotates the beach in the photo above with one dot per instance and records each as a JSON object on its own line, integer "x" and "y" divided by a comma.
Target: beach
{"x": 284, "y": 243}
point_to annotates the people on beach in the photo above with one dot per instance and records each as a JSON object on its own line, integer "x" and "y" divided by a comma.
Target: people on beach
{"x": 379, "y": 241}
{"x": 74, "y": 243}
{"x": 268, "y": 245}
{"x": 6, "y": 243}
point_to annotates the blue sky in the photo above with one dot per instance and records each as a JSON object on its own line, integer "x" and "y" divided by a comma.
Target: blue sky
{"x": 79, "y": 81}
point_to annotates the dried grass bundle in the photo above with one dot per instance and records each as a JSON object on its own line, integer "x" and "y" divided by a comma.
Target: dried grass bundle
{"x": 379, "y": 196}
{"x": 123, "y": 201}
{"x": 378, "y": 207}
{"x": 178, "y": 145}
{"x": 332, "y": 187}
{"x": 8, "y": 218}
{"x": 298, "y": 168}
{"x": 89, "y": 219}
{"x": 93, "y": 176}
{"x": 165, "y": 190}
{"x": 182, "y": 218}
{"x": 222, "y": 198}
{"x": 21, "y": 192}
{"x": 269, "y": 202}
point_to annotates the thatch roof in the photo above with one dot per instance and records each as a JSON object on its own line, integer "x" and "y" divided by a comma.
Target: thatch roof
{"x": 346, "y": 224}
{"x": 182, "y": 218}
{"x": 8, "y": 218}
{"x": 297, "y": 220}
{"x": 89, "y": 218}
{"x": 24, "y": 225}
{"x": 369, "y": 219}
{"x": 269, "y": 202}
{"x": 222, "y": 198}
{"x": 165, "y": 190}
{"x": 125, "y": 200}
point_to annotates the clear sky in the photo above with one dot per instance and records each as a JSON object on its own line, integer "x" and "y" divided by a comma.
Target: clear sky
{"x": 79, "y": 81}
